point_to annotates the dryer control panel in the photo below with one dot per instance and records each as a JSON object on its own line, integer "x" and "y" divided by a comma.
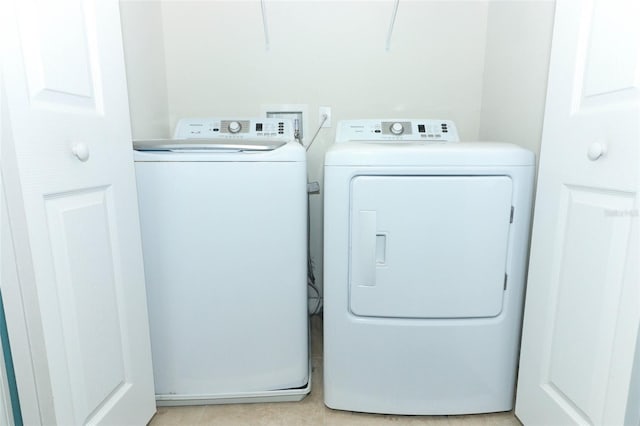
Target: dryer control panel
{"x": 397, "y": 130}
{"x": 272, "y": 129}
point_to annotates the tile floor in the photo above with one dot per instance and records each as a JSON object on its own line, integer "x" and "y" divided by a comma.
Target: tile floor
{"x": 311, "y": 410}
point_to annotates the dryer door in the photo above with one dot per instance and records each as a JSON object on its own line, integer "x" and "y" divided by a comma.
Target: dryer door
{"x": 429, "y": 246}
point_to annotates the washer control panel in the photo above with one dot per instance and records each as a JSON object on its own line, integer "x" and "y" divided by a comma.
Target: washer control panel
{"x": 219, "y": 128}
{"x": 413, "y": 130}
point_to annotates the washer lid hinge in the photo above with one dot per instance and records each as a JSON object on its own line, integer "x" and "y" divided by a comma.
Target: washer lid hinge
{"x": 511, "y": 217}
{"x": 505, "y": 281}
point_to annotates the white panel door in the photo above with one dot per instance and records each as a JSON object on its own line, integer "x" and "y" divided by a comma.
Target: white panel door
{"x": 6, "y": 415}
{"x": 583, "y": 300}
{"x": 75, "y": 218}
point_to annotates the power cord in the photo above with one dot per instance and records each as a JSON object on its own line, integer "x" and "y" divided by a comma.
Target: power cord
{"x": 325, "y": 117}
{"x": 311, "y": 278}
{"x": 312, "y": 187}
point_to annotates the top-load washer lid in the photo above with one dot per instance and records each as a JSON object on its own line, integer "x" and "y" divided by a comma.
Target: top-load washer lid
{"x": 206, "y": 145}
{"x": 218, "y": 134}
{"x": 217, "y": 139}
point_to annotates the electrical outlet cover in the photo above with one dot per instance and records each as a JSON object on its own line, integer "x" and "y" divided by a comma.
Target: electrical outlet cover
{"x": 325, "y": 110}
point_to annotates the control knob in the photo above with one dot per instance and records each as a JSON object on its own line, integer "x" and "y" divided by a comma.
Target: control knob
{"x": 397, "y": 128}
{"x": 234, "y": 127}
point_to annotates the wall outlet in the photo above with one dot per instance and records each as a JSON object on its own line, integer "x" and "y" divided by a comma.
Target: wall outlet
{"x": 325, "y": 110}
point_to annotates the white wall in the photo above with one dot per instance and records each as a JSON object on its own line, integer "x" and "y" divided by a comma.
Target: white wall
{"x": 146, "y": 76}
{"x": 515, "y": 73}
{"x": 329, "y": 53}
{"x": 448, "y": 59}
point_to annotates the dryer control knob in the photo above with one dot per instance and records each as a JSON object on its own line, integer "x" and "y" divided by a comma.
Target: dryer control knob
{"x": 234, "y": 127}
{"x": 397, "y": 128}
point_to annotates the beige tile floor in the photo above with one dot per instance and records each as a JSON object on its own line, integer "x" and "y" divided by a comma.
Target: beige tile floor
{"x": 311, "y": 410}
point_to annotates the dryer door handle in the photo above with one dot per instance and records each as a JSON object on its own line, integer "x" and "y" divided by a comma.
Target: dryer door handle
{"x": 363, "y": 250}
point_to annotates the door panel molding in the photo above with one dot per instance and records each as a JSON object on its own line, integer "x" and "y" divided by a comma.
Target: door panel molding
{"x": 582, "y": 312}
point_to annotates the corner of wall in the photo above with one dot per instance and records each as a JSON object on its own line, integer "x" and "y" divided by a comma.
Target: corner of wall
{"x": 142, "y": 33}
{"x": 517, "y": 53}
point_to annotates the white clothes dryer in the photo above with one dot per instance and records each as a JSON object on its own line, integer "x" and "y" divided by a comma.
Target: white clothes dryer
{"x": 425, "y": 249}
{"x": 223, "y": 212}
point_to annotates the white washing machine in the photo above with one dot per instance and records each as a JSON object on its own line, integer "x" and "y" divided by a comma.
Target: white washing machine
{"x": 223, "y": 212}
{"x": 425, "y": 249}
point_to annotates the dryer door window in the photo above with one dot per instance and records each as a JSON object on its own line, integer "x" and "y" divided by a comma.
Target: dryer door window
{"x": 429, "y": 246}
